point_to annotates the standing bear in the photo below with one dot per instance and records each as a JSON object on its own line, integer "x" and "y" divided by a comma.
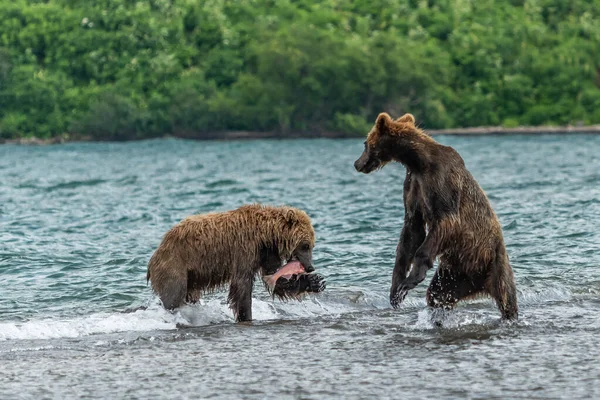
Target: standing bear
{"x": 447, "y": 214}
{"x": 205, "y": 252}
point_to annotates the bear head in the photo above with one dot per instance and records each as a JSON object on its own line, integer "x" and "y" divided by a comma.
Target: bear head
{"x": 286, "y": 256}
{"x": 298, "y": 238}
{"x": 382, "y": 139}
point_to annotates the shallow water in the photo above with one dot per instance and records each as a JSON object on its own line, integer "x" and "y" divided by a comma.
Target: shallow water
{"x": 78, "y": 223}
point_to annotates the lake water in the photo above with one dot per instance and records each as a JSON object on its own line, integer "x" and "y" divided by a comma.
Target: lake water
{"x": 78, "y": 223}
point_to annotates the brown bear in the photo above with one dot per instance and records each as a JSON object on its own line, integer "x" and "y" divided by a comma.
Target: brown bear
{"x": 205, "y": 252}
{"x": 447, "y": 214}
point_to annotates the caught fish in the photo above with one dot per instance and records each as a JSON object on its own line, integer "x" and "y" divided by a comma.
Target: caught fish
{"x": 289, "y": 269}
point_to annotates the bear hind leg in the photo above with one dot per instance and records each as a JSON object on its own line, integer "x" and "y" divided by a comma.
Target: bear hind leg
{"x": 449, "y": 287}
{"x": 240, "y": 296}
{"x": 508, "y": 308}
{"x": 503, "y": 289}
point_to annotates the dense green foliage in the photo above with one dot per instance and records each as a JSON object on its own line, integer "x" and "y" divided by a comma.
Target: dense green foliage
{"x": 121, "y": 69}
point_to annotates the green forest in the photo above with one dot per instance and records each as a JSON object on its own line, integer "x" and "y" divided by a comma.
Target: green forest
{"x": 124, "y": 69}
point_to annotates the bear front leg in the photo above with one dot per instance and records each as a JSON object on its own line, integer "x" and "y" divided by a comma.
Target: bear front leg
{"x": 240, "y": 297}
{"x": 423, "y": 262}
{"x": 412, "y": 236}
{"x": 171, "y": 288}
{"x": 298, "y": 284}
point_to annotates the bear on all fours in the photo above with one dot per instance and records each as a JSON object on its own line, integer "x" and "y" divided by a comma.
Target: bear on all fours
{"x": 447, "y": 215}
{"x": 208, "y": 251}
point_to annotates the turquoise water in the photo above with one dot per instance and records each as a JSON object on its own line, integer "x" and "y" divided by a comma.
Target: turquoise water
{"x": 78, "y": 223}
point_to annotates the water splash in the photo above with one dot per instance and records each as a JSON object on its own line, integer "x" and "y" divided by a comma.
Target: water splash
{"x": 216, "y": 310}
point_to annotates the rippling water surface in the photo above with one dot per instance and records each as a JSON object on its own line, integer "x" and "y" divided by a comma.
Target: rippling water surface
{"x": 78, "y": 223}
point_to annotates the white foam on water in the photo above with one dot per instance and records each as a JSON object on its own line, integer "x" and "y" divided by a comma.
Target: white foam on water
{"x": 141, "y": 320}
{"x": 215, "y": 310}
{"x": 454, "y": 319}
{"x": 531, "y": 296}
{"x": 206, "y": 312}
{"x": 483, "y": 311}
{"x": 35, "y": 348}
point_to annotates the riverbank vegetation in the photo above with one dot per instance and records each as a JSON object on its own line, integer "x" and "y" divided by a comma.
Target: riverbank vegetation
{"x": 123, "y": 69}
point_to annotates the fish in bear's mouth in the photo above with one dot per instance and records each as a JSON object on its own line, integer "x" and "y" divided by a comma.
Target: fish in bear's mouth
{"x": 291, "y": 268}
{"x": 293, "y": 280}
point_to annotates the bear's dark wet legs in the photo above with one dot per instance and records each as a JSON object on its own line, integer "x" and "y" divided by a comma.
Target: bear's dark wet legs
{"x": 448, "y": 287}
{"x": 411, "y": 238}
{"x": 503, "y": 289}
{"x": 423, "y": 262}
{"x": 193, "y": 296}
{"x": 508, "y": 306}
{"x": 298, "y": 284}
{"x": 194, "y": 287}
{"x": 240, "y": 297}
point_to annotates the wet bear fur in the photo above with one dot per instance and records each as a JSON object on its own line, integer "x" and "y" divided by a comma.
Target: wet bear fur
{"x": 447, "y": 215}
{"x": 205, "y": 252}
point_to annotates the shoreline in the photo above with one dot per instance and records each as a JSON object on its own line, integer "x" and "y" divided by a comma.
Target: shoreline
{"x": 252, "y": 135}
{"x": 520, "y": 130}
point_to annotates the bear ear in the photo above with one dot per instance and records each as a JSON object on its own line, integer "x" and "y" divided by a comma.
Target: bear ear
{"x": 407, "y": 119}
{"x": 291, "y": 218}
{"x": 383, "y": 121}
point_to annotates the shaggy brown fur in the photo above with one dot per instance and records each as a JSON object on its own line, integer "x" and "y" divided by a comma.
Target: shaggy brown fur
{"x": 447, "y": 214}
{"x": 204, "y": 252}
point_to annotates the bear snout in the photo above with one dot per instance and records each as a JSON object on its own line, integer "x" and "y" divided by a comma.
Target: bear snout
{"x": 358, "y": 165}
{"x": 366, "y": 165}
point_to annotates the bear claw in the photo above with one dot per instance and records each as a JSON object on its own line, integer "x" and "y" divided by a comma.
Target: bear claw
{"x": 298, "y": 284}
{"x": 397, "y": 298}
{"x": 316, "y": 283}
